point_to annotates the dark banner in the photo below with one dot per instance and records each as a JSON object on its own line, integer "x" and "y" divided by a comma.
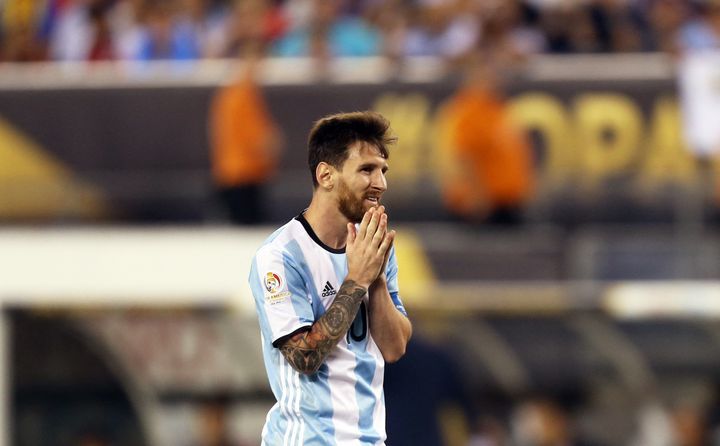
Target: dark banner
{"x": 602, "y": 150}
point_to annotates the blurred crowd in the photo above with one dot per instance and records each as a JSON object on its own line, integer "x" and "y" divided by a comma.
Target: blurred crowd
{"x": 78, "y": 30}
{"x": 447, "y": 413}
{"x": 543, "y": 421}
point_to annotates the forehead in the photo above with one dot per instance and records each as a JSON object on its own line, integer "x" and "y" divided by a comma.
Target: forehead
{"x": 364, "y": 152}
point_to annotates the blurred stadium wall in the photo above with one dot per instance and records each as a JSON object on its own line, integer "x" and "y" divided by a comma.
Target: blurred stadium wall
{"x": 124, "y": 142}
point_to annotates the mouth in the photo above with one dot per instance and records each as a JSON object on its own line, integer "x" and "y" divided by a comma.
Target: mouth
{"x": 372, "y": 200}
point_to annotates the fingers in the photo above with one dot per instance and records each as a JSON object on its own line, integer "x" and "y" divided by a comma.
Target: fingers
{"x": 368, "y": 246}
{"x": 370, "y": 222}
{"x": 362, "y": 231}
{"x": 374, "y": 223}
{"x": 381, "y": 230}
{"x": 372, "y": 230}
{"x": 387, "y": 242}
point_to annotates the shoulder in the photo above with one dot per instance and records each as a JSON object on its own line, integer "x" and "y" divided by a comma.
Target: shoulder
{"x": 276, "y": 245}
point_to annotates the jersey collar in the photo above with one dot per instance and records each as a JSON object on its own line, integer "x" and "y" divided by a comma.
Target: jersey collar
{"x": 316, "y": 239}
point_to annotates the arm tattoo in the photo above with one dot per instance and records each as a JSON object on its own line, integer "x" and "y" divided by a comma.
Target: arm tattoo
{"x": 307, "y": 351}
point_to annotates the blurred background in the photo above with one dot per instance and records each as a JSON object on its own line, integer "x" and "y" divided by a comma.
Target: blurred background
{"x": 555, "y": 189}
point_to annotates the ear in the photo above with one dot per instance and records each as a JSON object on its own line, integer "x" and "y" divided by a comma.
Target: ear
{"x": 325, "y": 174}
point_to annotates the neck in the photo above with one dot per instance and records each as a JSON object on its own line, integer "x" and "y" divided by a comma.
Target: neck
{"x": 329, "y": 224}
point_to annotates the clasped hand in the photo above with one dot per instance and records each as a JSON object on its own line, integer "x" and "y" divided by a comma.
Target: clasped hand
{"x": 368, "y": 247}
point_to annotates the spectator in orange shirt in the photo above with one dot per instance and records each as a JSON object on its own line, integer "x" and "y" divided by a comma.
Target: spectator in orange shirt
{"x": 491, "y": 176}
{"x": 245, "y": 144}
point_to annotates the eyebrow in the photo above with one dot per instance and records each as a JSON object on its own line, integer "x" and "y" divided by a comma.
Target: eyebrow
{"x": 373, "y": 165}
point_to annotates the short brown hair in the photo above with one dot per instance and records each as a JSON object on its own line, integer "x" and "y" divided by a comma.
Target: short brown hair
{"x": 332, "y": 136}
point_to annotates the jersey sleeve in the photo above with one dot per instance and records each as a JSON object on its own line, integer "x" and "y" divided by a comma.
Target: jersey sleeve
{"x": 391, "y": 272}
{"x": 280, "y": 294}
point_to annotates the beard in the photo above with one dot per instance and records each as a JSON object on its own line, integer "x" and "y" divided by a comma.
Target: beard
{"x": 352, "y": 207}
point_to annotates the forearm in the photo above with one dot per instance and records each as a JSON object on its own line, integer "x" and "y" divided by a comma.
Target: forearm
{"x": 390, "y": 329}
{"x": 307, "y": 351}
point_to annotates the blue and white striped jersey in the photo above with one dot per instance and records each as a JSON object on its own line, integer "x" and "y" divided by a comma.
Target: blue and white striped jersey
{"x": 294, "y": 278}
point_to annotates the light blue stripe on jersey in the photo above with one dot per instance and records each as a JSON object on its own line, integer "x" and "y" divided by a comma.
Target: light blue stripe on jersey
{"x": 391, "y": 272}
{"x": 276, "y": 423}
{"x": 398, "y": 303}
{"x": 339, "y": 262}
{"x": 294, "y": 255}
{"x": 319, "y": 390}
{"x": 392, "y": 275}
{"x": 293, "y": 249}
{"x": 363, "y": 393}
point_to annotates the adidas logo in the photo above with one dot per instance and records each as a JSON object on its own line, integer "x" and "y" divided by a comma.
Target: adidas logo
{"x": 328, "y": 290}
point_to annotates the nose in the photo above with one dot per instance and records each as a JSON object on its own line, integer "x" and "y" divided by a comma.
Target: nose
{"x": 379, "y": 181}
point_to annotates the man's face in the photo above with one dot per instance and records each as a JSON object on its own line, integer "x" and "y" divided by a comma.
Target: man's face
{"x": 361, "y": 182}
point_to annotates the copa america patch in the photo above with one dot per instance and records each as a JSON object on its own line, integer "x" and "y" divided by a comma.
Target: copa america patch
{"x": 274, "y": 293}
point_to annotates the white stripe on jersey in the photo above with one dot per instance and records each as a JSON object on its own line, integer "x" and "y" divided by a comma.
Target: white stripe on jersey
{"x": 283, "y": 403}
{"x": 296, "y": 425}
{"x": 321, "y": 267}
{"x": 346, "y": 412}
{"x": 301, "y": 426}
{"x": 294, "y": 396}
{"x": 377, "y": 383}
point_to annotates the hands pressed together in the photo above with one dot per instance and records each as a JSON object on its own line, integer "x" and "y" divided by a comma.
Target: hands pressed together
{"x": 368, "y": 247}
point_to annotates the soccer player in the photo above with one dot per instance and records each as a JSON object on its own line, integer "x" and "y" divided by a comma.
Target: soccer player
{"x": 325, "y": 289}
